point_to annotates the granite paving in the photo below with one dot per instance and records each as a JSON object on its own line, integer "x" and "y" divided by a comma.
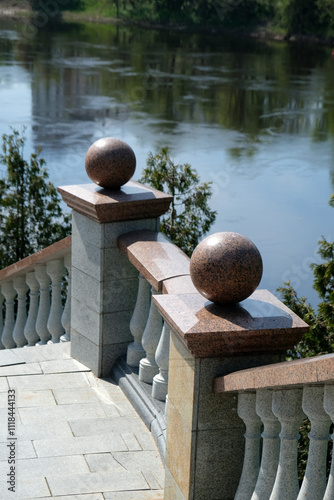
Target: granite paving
{"x": 76, "y": 437}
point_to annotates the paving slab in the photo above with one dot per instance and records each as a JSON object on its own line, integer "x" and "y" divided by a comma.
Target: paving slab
{"x": 97, "y": 482}
{"x": 73, "y": 432}
{"x": 61, "y": 412}
{"x": 93, "y": 496}
{"x": 79, "y": 445}
{"x": 132, "y": 460}
{"x": 34, "y": 430}
{"x": 40, "y": 399}
{"x": 84, "y": 395}
{"x": 47, "y": 381}
{"x": 48, "y": 466}
{"x": 20, "y": 369}
{"x": 133, "y": 495}
{"x": 47, "y": 352}
{"x": 152, "y": 480}
{"x": 99, "y": 462}
{"x": 27, "y": 489}
{"x": 102, "y": 426}
{"x": 10, "y": 357}
{"x": 131, "y": 441}
{"x": 3, "y": 384}
{"x": 23, "y": 449}
{"x": 63, "y": 366}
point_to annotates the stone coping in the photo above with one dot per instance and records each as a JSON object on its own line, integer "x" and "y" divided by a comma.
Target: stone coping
{"x": 178, "y": 285}
{"x": 57, "y": 250}
{"x": 260, "y": 324}
{"x": 316, "y": 370}
{"x": 154, "y": 255}
{"x": 133, "y": 201}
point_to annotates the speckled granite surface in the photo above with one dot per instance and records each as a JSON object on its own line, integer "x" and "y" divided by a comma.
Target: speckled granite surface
{"x": 110, "y": 162}
{"x": 56, "y": 251}
{"x": 259, "y": 324}
{"x": 226, "y": 267}
{"x": 316, "y": 370}
{"x": 154, "y": 255}
{"x": 133, "y": 201}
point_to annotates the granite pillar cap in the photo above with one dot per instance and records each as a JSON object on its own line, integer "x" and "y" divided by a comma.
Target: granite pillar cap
{"x": 110, "y": 163}
{"x": 226, "y": 268}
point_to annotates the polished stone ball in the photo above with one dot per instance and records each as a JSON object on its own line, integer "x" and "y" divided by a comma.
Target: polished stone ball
{"x": 110, "y": 163}
{"x": 226, "y": 268}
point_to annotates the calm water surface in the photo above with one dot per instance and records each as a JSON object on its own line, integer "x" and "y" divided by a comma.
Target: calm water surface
{"x": 256, "y": 119}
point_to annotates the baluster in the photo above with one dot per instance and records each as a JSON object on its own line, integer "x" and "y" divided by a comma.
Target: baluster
{"x": 56, "y": 270}
{"x": 2, "y": 298}
{"x": 270, "y": 447}
{"x": 151, "y": 336}
{"x": 250, "y": 469}
{"x": 329, "y": 408}
{"x": 314, "y": 482}
{"x": 30, "y": 332}
{"x": 44, "y": 304}
{"x": 7, "y": 333}
{"x": 287, "y": 406}
{"x": 138, "y": 322}
{"x": 21, "y": 287}
{"x": 160, "y": 381}
{"x": 66, "y": 317}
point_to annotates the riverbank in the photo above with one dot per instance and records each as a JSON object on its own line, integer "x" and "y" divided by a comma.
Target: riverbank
{"x": 15, "y": 9}
{"x": 21, "y": 9}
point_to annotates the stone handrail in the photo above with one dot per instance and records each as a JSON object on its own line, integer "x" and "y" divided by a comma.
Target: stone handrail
{"x": 278, "y": 397}
{"x": 47, "y": 320}
{"x": 162, "y": 267}
{"x": 179, "y": 340}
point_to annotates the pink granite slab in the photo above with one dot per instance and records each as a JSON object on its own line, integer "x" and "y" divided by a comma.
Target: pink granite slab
{"x": 133, "y": 201}
{"x": 259, "y": 324}
{"x": 154, "y": 255}
{"x": 56, "y": 251}
{"x": 180, "y": 284}
{"x": 319, "y": 369}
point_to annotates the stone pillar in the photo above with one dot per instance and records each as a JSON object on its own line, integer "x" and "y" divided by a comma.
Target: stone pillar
{"x": 205, "y": 437}
{"x": 104, "y": 282}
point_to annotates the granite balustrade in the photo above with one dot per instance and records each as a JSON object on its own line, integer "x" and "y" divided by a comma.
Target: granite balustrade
{"x": 32, "y": 294}
{"x": 279, "y": 397}
{"x": 204, "y": 443}
{"x": 162, "y": 266}
{"x": 133, "y": 296}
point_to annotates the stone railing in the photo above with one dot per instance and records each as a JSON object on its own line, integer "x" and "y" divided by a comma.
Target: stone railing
{"x": 163, "y": 268}
{"x": 128, "y": 281}
{"x": 219, "y": 362}
{"x": 38, "y": 278}
{"x": 276, "y": 398}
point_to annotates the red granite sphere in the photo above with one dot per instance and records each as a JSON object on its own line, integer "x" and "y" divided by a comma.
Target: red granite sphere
{"x": 110, "y": 163}
{"x": 226, "y": 268}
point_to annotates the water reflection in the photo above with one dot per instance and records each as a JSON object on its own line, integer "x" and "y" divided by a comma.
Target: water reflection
{"x": 256, "y": 119}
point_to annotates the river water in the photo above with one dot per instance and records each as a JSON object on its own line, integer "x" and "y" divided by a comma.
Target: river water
{"x": 254, "y": 118}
